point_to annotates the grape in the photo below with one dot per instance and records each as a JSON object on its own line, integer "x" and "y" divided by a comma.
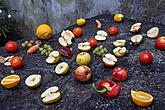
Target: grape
{"x": 40, "y": 49}
{"x": 26, "y": 43}
{"x": 30, "y": 45}
{"x": 23, "y": 45}
{"x": 105, "y": 50}
{"x": 12, "y": 71}
{"x": 45, "y": 46}
{"x": 31, "y": 41}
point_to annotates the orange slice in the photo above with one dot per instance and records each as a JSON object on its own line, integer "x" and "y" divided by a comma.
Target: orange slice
{"x": 141, "y": 98}
{"x": 10, "y": 81}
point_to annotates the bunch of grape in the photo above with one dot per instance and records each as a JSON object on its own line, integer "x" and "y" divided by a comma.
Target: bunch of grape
{"x": 45, "y": 50}
{"x": 30, "y": 43}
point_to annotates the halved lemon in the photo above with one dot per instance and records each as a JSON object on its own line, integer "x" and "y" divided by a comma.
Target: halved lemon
{"x": 10, "y": 81}
{"x": 141, "y": 98}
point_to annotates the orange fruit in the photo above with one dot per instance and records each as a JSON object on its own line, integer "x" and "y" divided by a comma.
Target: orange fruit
{"x": 118, "y": 18}
{"x": 10, "y": 81}
{"x": 44, "y": 32}
{"x": 81, "y": 22}
{"x": 141, "y": 98}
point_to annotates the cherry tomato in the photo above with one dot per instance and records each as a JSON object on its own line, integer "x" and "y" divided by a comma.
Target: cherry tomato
{"x": 93, "y": 42}
{"x": 145, "y": 58}
{"x": 78, "y": 32}
{"x": 11, "y": 46}
{"x": 113, "y": 30}
{"x": 16, "y": 62}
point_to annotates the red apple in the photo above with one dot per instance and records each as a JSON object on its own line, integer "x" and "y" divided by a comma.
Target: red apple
{"x": 83, "y": 73}
{"x": 160, "y": 43}
{"x": 145, "y": 58}
{"x": 120, "y": 73}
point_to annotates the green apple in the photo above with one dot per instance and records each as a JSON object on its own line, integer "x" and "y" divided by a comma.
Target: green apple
{"x": 33, "y": 80}
{"x": 51, "y": 95}
{"x": 83, "y": 58}
{"x": 62, "y": 68}
{"x": 53, "y": 58}
{"x": 120, "y": 51}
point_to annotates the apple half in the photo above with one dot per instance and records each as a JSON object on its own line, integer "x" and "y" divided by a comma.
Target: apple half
{"x": 51, "y": 95}
{"x": 153, "y": 32}
{"x": 84, "y": 46}
{"x": 109, "y": 60}
{"x": 33, "y": 80}
{"x": 53, "y": 58}
{"x": 62, "y": 68}
{"x": 135, "y": 28}
{"x": 137, "y": 39}
{"x": 120, "y": 51}
{"x": 119, "y": 43}
{"x": 66, "y": 38}
{"x": 101, "y": 35}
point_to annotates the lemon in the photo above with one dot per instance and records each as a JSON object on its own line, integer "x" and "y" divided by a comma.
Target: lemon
{"x": 141, "y": 98}
{"x": 44, "y": 32}
{"x": 10, "y": 81}
{"x": 81, "y": 22}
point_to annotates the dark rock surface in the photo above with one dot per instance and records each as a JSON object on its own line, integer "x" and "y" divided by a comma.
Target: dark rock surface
{"x": 80, "y": 96}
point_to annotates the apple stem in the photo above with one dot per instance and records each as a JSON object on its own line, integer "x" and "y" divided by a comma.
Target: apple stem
{"x": 104, "y": 90}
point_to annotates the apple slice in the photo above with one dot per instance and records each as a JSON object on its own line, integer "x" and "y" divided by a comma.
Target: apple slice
{"x": 53, "y": 58}
{"x": 33, "y": 80}
{"x": 62, "y": 41}
{"x": 51, "y": 95}
{"x": 135, "y": 28}
{"x": 119, "y": 43}
{"x": 120, "y": 51}
{"x": 109, "y": 60}
{"x": 153, "y": 32}
{"x": 62, "y": 68}
{"x": 137, "y": 39}
{"x": 84, "y": 46}
{"x": 101, "y": 35}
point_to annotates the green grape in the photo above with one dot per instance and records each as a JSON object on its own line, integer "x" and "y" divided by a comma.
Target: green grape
{"x": 101, "y": 46}
{"x": 42, "y": 53}
{"x": 30, "y": 45}
{"x": 50, "y": 49}
{"x": 44, "y": 50}
{"x": 31, "y": 41}
{"x": 47, "y": 54}
{"x": 23, "y": 45}
{"x": 97, "y": 49}
{"x": 45, "y": 46}
{"x": 103, "y": 55}
{"x": 102, "y": 51}
{"x": 40, "y": 49}
{"x": 26, "y": 43}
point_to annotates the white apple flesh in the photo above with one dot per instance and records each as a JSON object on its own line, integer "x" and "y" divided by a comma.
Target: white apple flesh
{"x": 53, "y": 58}
{"x": 33, "y": 80}
{"x": 137, "y": 39}
{"x": 51, "y": 95}
{"x": 119, "y": 43}
{"x": 135, "y": 28}
{"x": 84, "y": 46}
{"x": 109, "y": 60}
{"x": 62, "y": 68}
{"x": 153, "y": 32}
{"x": 101, "y": 35}
{"x": 120, "y": 51}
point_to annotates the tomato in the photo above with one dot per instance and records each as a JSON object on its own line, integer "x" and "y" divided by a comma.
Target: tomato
{"x": 145, "y": 58}
{"x": 78, "y": 32}
{"x": 113, "y": 30}
{"x": 93, "y": 42}
{"x": 11, "y": 46}
{"x": 16, "y": 62}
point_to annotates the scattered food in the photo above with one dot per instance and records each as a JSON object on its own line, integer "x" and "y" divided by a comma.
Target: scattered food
{"x": 83, "y": 73}
{"x": 109, "y": 60}
{"x": 85, "y": 46}
{"x": 10, "y": 81}
{"x": 137, "y": 39}
{"x": 99, "y": 25}
{"x": 78, "y": 32}
{"x": 44, "y": 32}
{"x": 33, "y": 80}
{"x": 153, "y": 32}
{"x": 11, "y": 46}
{"x": 93, "y": 42}
{"x": 62, "y": 68}
{"x": 120, "y": 73}
{"x": 101, "y": 35}
{"x": 108, "y": 89}
{"x": 118, "y": 18}
{"x": 81, "y": 22}
{"x": 66, "y": 38}
{"x": 141, "y": 98}
{"x": 66, "y": 52}
{"x": 100, "y": 50}
{"x": 160, "y": 43}
{"x": 83, "y": 58}
{"x": 51, "y": 95}
{"x": 120, "y": 51}
{"x": 28, "y": 44}
{"x": 119, "y": 43}
{"x": 16, "y": 62}
{"x": 113, "y": 30}
{"x": 145, "y": 58}
{"x": 136, "y": 28}
{"x": 53, "y": 58}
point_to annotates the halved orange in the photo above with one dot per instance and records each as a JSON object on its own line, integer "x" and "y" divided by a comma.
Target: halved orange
{"x": 10, "y": 81}
{"x": 141, "y": 98}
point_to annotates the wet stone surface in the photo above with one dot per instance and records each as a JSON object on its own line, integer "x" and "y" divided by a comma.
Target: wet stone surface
{"x": 80, "y": 96}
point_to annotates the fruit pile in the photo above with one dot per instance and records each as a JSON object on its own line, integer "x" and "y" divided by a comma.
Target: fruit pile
{"x": 83, "y": 72}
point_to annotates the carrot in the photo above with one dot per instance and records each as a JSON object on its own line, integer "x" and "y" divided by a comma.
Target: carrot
{"x": 33, "y": 49}
{"x": 98, "y": 24}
